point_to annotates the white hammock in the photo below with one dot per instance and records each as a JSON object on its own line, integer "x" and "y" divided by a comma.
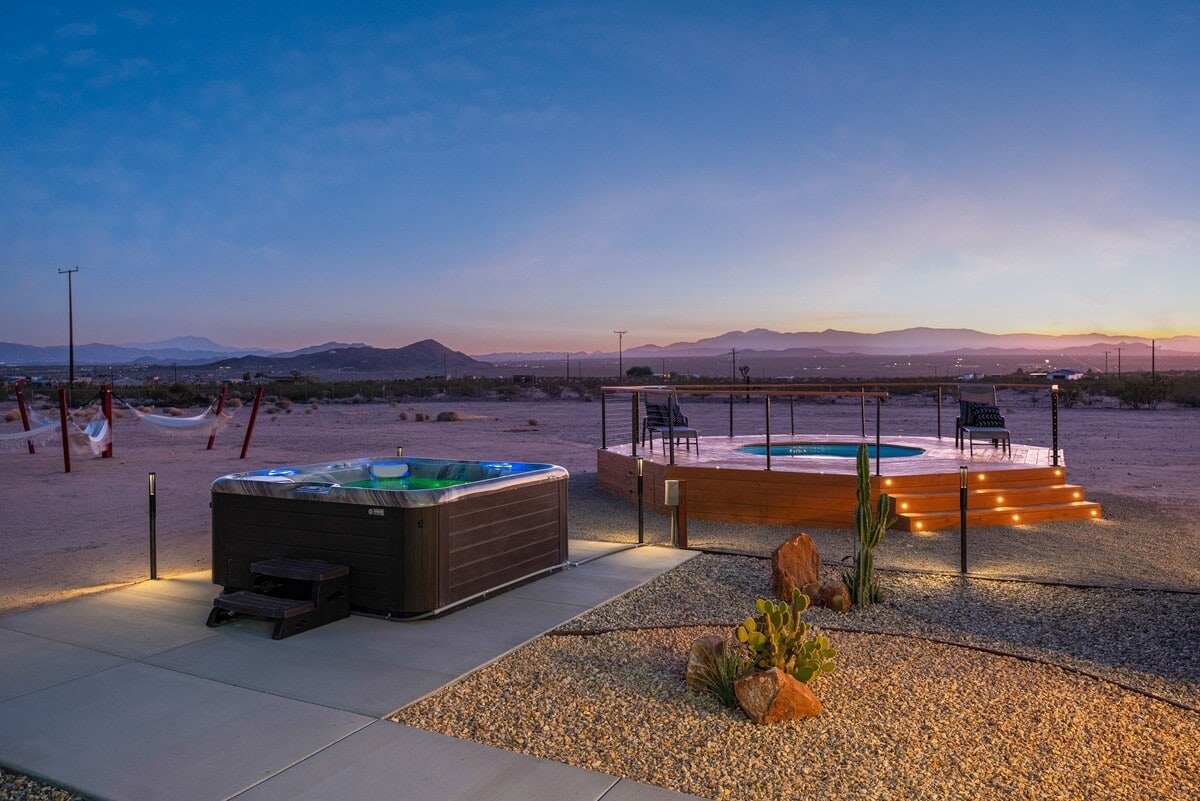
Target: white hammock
{"x": 207, "y": 421}
{"x": 40, "y": 429}
{"x": 96, "y": 436}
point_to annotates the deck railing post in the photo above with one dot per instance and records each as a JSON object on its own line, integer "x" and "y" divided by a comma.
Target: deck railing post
{"x": 603, "y": 421}
{"x": 672, "y": 403}
{"x": 939, "y": 415}
{"x": 24, "y": 415}
{"x": 767, "y": 398}
{"x": 792, "y": 412}
{"x": 878, "y": 407}
{"x": 1053, "y": 426}
{"x": 862, "y": 406}
{"x": 731, "y": 415}
{"x": 634, "y": 431}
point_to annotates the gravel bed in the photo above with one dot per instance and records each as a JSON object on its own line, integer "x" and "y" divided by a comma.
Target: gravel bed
{"x": 17, "y": 787}
{"x": 915, "y": 715}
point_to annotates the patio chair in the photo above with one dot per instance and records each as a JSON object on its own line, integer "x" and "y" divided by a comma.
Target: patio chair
{"x": 979, "y": 418}
{"x": 667, "y": 419}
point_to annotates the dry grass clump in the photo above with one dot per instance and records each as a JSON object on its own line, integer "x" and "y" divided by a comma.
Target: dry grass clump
{"x": 314, "y": 407}
{"x": 404, "y": 416}
{"x": 533, "y": 422}
{"x": 11, "y": 415}
{"x": 234, "y": 403}
{"x": 283, "y": 403}
{"x": 448, "y": 417}
{"x": 176, "y": 412}
{"x": 421, "y": 417}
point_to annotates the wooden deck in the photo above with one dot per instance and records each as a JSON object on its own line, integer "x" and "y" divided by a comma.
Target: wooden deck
{"x": 724, "y": 484}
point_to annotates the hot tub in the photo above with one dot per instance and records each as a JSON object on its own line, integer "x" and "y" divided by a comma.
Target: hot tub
{"x": 420, "y": 536}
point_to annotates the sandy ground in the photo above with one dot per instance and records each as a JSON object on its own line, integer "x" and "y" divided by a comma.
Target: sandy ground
{"x": 64, "y": 534}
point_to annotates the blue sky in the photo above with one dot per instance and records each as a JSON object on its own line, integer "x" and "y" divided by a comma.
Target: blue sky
{"x": 511, "y": 176}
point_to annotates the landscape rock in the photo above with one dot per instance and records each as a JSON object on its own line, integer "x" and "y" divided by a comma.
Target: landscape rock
{"x": 834, "y": 595}
{"x": 700, "y": 659}
{"x": 796, "y": 564}
{"x": 771, "y": 696}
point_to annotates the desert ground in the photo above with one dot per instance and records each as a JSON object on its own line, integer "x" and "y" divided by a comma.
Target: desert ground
{"x": 1065, "y": 667}
{"x": 89, "y": 529}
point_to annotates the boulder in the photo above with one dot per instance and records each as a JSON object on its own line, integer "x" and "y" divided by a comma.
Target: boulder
{"x": 833, "y": 595}
{"x": 771, "y": 696}
{"x": 700, "y": 659}
{"x": 796, "y": 564}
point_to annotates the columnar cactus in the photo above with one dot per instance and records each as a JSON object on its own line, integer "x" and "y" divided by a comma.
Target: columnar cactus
{"x": 871, "y": 527}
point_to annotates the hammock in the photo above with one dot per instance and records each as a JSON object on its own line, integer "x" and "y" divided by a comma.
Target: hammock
{"x": 96, "y": 436}
{"x": 207, "y": 421}
{"x": 40, "y": 429}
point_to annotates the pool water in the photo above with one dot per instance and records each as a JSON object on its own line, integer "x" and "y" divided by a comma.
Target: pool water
{"x": 846, "y": 450}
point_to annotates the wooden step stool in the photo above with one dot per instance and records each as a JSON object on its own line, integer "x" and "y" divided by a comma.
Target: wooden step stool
{"x": 298, "y": 594}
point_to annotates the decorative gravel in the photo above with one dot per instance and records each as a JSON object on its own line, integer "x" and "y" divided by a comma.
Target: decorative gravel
{"x": 911, "y": 713}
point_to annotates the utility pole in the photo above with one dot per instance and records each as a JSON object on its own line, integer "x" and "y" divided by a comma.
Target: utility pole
{"x": 1106, "y": 362}
{"x": 1153, "y": 349}
{"x": 620, "y": 353}
{"x": 733, "y": 363}
{"x": 70, "y": 332}
{"x": 1119, "y": 361}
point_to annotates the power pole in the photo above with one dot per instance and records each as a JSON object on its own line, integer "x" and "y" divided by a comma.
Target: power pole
{"x": 1119, "y": 361}
{"x": 70, "y": 332}
{"x": 620, "y": 353}
{"x": 1106, "y": 362}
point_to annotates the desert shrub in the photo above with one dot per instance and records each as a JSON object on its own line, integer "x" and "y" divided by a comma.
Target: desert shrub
{"x": 11, "y": 415}
{"x": 175, "y": 411}
{"x": 283, "y": 404}
{"x": 1143, "y": 390}
{"x": 404, "y": 416}
{"x": 448, "y": 417}
{"x": 721, "y": 671}
{"x": 533, "y": 422}
{"x": 234, "y": 403}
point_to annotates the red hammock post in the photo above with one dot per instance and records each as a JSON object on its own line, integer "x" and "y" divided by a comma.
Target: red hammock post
{"x": 62, "y": 418}
{"x": 106, "y": 407}
{"x": 220, "y": 406}
{"x": 250, "y": 426}
{"x": 24, "y": 414}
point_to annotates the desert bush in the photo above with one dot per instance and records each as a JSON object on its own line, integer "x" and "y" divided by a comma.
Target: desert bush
{"x": 721, "y": 671}
{"x": 533, "y": 422}
{"x": 448, "y": 417}
{"x": 175, "y": 411}
{"x": 404, "y": 416}
{"x": 11, "y": 415}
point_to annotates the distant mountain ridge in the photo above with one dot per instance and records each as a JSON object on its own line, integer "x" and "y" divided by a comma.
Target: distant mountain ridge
{"x": 198, "y": 351}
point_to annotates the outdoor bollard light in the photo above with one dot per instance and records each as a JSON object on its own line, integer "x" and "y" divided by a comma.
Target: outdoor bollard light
{"x": 962, "y": 519}
{"x": 399, "y": 451}
{"x": 1054, "y": 424}
{"x": 641, "y": 503}
{"x": 153, "y": 528}
{"x": 671, "y": 498}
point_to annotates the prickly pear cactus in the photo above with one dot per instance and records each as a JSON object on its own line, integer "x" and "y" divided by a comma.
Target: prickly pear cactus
{"x": 779, "y": 638}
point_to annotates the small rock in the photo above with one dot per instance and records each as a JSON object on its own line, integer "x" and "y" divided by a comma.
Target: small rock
{"x": 834, "y": 595}
{"x": 771, "y": 696}
{"x": 700, "y": 659}
{"x": 796, "y": 564}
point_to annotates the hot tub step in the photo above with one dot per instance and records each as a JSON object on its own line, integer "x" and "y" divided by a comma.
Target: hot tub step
{"x": 298, "y": 594}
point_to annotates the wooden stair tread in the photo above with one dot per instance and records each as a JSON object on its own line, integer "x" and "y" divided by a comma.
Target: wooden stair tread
{"x": 265, "y": 606}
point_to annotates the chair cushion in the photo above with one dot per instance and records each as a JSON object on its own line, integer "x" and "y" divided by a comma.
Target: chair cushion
{"x": 984, "y": 415}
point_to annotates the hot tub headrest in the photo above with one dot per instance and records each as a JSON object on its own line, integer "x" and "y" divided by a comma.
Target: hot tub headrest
{"x": 389, "y": 470}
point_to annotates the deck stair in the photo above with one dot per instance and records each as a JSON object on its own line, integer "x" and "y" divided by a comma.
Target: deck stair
{"x": 996, "y": 498}
{"x": 297, "y": 594}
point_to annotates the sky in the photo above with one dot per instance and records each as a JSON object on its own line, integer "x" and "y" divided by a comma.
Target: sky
{"x": 535, "y": 176}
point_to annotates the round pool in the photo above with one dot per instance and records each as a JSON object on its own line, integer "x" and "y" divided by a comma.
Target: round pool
{"x": 845, "y": 450}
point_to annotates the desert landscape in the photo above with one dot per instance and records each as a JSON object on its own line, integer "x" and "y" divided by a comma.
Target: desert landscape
{"x": 1065, "y": 666}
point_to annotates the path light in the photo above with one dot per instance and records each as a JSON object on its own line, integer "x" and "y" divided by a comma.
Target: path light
{"x": 1054, "y": 424}
{"x": 153, "y": 527}
{"x": 962, "y": 519}
{"x": 641, "y": 490}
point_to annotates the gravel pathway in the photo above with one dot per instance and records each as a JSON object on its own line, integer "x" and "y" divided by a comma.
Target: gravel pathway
{"x": 908, "y": 714}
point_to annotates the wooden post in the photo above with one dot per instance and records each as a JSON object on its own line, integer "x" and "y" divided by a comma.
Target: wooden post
{"x": 24, "y": 415}
{"x": 62, "y": 418}
{"x": 250, "y": 427}
{"x": 106, "y": 407}
{"x": 220, "y": 407}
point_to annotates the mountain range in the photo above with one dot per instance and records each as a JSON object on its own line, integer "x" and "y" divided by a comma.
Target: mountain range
{"x": 434, "y": 358}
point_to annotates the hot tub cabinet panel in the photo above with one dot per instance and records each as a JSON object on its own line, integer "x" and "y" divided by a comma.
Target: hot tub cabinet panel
{"x": 427, "y": 551}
